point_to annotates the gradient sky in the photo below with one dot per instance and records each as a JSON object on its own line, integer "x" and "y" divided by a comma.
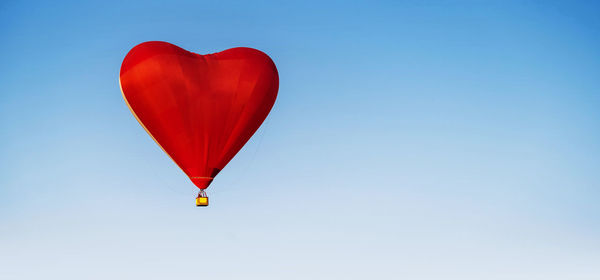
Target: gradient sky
{"x": 410, "y": 140}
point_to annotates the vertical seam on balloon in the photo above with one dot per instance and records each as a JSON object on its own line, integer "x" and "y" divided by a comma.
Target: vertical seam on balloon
{"x": 207, "y": 59}
{"x": 237, "y": 122}
{"x": 186, "y": 121}
{"x": 229, "y": 119}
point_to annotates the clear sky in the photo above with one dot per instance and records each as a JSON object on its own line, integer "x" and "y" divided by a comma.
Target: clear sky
{"x": 410, "y": 140}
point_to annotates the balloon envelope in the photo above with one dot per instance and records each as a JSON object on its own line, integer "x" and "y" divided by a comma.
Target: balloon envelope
{"x": 200, "y": 109}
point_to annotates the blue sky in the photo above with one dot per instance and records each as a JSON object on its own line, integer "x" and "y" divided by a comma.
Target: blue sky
{"x": 410, "y": 140}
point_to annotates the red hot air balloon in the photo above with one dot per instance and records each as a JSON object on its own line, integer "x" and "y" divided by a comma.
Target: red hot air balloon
{"x": 200, "y": 109}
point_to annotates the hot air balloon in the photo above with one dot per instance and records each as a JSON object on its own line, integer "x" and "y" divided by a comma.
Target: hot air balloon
{"x": 200, "y": 109}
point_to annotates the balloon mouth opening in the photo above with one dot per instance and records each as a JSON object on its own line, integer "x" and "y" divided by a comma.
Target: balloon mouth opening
{"x": 202, "y": 182}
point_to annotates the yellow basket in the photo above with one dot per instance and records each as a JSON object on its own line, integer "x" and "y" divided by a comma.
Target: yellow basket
{"x": 201, "y": 201}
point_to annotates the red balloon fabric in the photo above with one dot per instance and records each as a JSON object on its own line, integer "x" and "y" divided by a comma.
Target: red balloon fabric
{"x": 200, "y": 109}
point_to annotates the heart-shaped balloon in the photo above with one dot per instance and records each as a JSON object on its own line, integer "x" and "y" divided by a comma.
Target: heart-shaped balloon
{"x": 200, "y": 109}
